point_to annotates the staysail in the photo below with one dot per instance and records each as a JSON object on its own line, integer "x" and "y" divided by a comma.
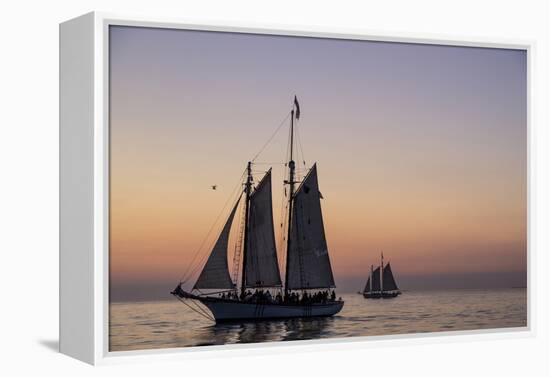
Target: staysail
{"x": 308, "y": 259}
{"x": 376, "y": 279}
{"x": 388, "y": 280}
{"x": 215, "y": 273}
{"x": 262, "y": 267}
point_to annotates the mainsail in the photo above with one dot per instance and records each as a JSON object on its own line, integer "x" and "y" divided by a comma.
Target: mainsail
{"x": 308, "y": 259}
{"x": 261, "y": 267}
{"x": 215, "y": 273}
{"x": 388, "y": 280}
{"x": 376, "y": 279}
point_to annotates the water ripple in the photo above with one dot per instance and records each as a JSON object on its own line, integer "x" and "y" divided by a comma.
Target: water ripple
{"x": 164, "y": 324}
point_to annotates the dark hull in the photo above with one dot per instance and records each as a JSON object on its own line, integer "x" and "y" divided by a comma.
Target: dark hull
{"x": 226, "y": 310}
{"x": 235, "y": 311}
{"x": 385, "y": 294}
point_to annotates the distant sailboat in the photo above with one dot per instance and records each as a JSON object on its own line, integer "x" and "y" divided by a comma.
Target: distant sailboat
{"x": 381, "y": 286}
{"x": 308, "y": 289}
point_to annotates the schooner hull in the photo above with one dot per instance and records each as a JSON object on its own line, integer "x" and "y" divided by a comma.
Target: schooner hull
{"x": 227, "y": 311}
{"x": 391, "y": 294}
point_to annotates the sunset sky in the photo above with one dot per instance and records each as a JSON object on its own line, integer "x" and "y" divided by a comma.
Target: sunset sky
{"x": 421, "y": 152}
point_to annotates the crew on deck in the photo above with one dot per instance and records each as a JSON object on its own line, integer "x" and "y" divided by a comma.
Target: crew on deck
{"x": 261, "y": 296}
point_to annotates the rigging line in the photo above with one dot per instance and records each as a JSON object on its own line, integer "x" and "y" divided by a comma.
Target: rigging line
{"x": 300, "y": 143}
{"x": 236, "y": 193}
{"x": 189, "y": 306}
{"x": 272, "y": 136}
{"x": 196, "y": 311}
{"x": 282, "y": 244}
{"x": 283, "y": 219}
{"x": 238, "y": 246}
{"x": 204, "y": 257}
{"x": 192, "y": 268}
{"x": 202, "y": 260}
{"x": 280, "y": 228}
{"x": 185, "y": 276}
{"x": 202, "y": 309}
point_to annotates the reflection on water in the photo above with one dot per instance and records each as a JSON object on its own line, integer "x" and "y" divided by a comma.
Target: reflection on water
{"x": 266, "y": 331}
{"x": 164, "y": 324}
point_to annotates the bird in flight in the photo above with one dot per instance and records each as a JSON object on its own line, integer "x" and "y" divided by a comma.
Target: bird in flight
{"x": 214, "y": 187}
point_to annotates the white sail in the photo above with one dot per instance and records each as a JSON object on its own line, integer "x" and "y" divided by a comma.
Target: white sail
{"x": 262, "y": 268}
{"x": 215, "y": 273}
{"x": 308, "y": 259}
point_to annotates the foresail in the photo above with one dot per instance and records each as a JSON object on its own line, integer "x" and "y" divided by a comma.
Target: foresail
{"x": 262, "y": 267}
{"x": 376, "y": 279}
{"x": 215, "y": 273}
{"x": 388, "y": 280}
{"x": 308, "y": 259}
{"x": 367, "y": 286}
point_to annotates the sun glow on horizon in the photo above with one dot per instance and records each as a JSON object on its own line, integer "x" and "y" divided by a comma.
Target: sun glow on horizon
{"x": 421, "y": 150}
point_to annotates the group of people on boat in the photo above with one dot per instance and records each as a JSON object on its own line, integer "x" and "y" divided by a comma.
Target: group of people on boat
{"x": 319, "y": 297}
{"x": 261, "y": 296}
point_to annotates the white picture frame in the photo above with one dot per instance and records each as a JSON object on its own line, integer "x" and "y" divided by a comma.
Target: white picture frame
{"x": 84, "y": 187}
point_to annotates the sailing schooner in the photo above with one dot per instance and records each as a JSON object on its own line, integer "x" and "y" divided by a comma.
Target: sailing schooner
{"x": 308, "y": 289}
{"x": 381, "y": 285}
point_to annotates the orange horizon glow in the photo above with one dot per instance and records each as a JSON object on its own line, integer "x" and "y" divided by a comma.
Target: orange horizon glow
{"x": 421, "y": 150}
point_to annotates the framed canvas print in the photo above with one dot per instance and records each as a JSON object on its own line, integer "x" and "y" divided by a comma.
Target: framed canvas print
{"x": 226, "y": 187}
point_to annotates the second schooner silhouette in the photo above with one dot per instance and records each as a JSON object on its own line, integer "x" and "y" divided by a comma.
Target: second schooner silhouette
{"x": 381, "y": 283}
{"x": 308, "y": 289}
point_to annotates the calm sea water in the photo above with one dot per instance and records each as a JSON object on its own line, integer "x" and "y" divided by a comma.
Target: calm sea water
{"x": 167, "y": 324}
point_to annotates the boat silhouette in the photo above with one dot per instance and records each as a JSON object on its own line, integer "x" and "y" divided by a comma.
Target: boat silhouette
{"x": 381, "y": 285}
{"x": 308, "y": 288}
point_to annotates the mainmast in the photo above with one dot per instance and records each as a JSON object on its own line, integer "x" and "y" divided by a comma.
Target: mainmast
{"x": 371, "y": 278}
{"x": 381, "y": 272}
{"x": 291, "y": 167}
{"x": 247, "y": 191}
